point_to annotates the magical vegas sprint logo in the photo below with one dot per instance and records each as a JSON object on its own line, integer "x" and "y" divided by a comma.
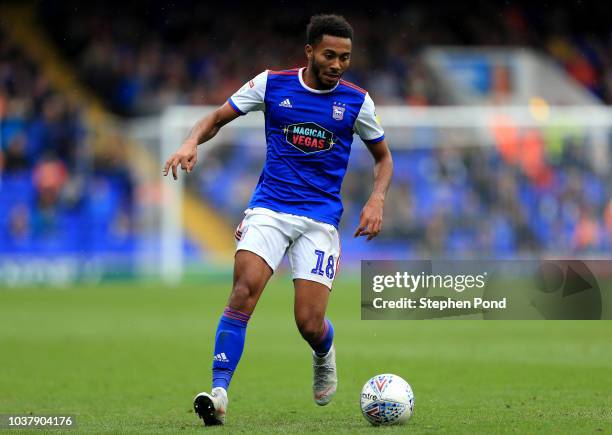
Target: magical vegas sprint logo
{"x": 309, "y": 137}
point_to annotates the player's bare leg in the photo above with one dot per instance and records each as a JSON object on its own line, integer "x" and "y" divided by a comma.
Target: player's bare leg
{"x": 309, "y": 308}
{"x": 251, "y": 274}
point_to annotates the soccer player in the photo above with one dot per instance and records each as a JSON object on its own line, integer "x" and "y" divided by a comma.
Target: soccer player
{"x": 311, "y": 115}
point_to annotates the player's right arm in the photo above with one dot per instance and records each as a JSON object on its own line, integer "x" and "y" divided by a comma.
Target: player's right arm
{"x": 248, "y": 98}
{"x": 204, "y": 130}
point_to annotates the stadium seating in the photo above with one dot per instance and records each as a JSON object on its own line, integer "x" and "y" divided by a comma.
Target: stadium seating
{"x": 50, "y": 204}
{"x": 489, "y": 205}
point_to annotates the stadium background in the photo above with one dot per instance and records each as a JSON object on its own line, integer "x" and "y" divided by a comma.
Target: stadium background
{"x": 83, "y": 90}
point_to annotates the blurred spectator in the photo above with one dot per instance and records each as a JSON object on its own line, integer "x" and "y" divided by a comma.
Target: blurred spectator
{"x": 586, "y": 235}
{"x": 608, "y": 222}
{"x": 15, "y": 158}
{"x": 50, "y": 175}
{"x": 19, "y": 223}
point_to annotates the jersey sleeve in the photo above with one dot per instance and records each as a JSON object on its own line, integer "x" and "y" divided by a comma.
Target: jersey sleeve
{"x": 367, "y": 126}
{"x": 250, "y": 97}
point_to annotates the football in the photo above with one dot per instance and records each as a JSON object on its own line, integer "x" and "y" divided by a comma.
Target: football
{"x": 387, "y": 399}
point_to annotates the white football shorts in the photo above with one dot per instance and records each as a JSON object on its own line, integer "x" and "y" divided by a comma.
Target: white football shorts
{"x": 313, "y": 247}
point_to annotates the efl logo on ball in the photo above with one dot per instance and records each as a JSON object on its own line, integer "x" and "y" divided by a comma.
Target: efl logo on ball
{"x": 387, "y": 399}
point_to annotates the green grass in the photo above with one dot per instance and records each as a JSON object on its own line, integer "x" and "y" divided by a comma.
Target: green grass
{"x": 130, "y": 357}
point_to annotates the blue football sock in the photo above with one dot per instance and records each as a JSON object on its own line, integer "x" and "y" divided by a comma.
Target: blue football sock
{"x": 324, "y": 343}
{"x": 229, "y": 343}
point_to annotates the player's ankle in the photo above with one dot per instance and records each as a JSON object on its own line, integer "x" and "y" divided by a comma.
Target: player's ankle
{"x": 219, "y": 391}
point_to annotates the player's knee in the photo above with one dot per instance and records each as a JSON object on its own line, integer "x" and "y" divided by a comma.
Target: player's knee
{"x": 242, "y": 297}
{"x": 310, "y": 327}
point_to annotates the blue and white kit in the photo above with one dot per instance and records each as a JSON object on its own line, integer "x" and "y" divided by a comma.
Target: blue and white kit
{"x": 309, "y": 133}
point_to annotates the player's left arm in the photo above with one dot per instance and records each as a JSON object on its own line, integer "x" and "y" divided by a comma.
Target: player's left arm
{"x": 368, "y": 127}
{"x": 370, "y": 222}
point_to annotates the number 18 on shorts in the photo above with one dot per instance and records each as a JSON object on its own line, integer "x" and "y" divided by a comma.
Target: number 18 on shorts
{"x": 313, "y": 247}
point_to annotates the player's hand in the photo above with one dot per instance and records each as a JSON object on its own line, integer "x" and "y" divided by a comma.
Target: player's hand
{"x": 370, "y": 222}
{"x": 186, "y": 156}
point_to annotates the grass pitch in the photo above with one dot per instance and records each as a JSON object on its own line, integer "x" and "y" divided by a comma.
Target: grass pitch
{"x": 130, "y": 357}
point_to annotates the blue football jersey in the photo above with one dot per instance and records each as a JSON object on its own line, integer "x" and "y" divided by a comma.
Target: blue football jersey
{"x": 309, "y": 133}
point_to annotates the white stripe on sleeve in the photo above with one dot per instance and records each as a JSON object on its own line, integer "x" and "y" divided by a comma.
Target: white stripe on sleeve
{"x": 367, "y": 125}
{"x": 250, "y": 97}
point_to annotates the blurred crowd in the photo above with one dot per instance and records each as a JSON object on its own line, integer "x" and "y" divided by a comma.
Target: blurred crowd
{"x": 473, "y": 202}
{"x": 53, "y": 186}
{"x": 66, "y": 188}
{"x": 150, "y": 56}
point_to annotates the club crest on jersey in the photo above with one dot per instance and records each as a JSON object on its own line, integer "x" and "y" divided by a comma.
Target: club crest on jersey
{"x": 338, "y": 111}
{"x": 309, "y": 137}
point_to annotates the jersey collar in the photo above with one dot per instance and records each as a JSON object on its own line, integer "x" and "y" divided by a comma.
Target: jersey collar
{"x": 316, "y": 91}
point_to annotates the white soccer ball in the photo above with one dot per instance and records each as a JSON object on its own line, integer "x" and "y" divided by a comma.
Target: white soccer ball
{"x": 387, "y": 399}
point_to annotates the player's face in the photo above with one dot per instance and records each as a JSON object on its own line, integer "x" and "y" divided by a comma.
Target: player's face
{"x": 329, "y": 59}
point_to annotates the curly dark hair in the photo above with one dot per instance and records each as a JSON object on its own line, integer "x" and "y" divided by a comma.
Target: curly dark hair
{"x": 332, "y": 25}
